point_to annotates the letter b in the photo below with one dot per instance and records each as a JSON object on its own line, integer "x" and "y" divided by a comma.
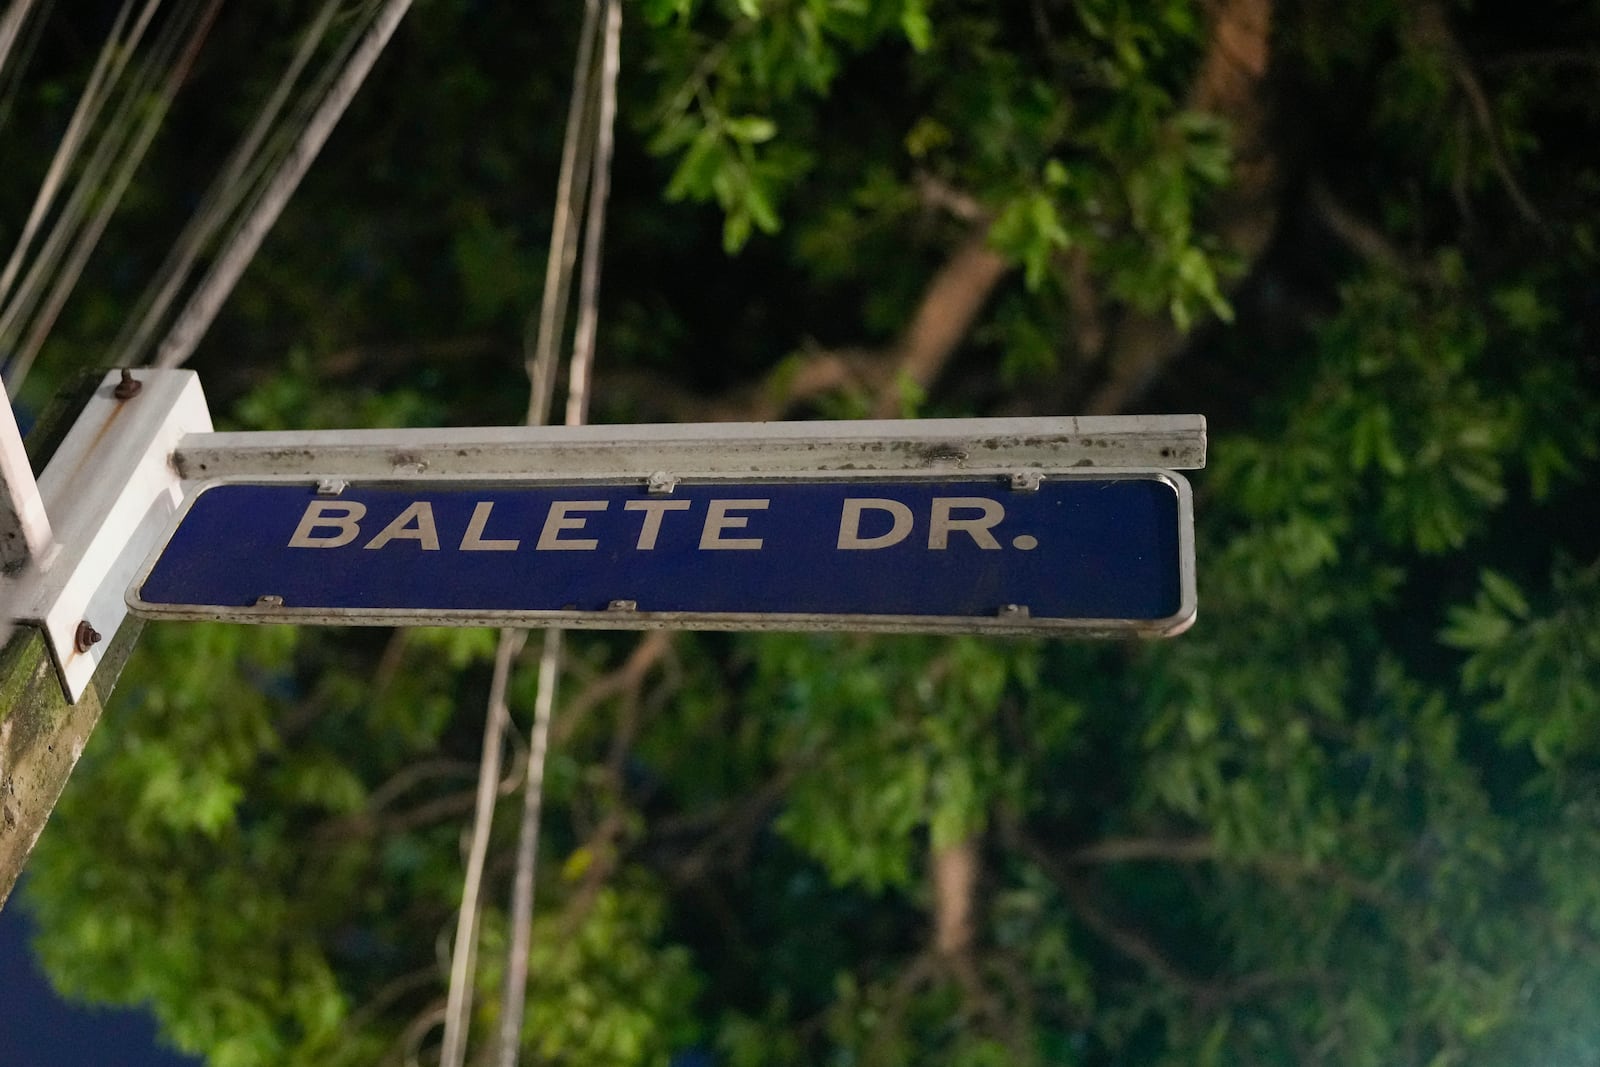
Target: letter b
{"x": 340, "y": 515}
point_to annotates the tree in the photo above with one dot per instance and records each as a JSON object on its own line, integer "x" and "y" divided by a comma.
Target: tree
{"x": 1346, "y": 819}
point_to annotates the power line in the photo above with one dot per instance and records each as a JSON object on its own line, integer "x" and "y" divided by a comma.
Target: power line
{"x": 583, "y": 182}
{"x": 11, "y": 75}
{"x": 575, "y": 159}
{"x": 203, "y": 305}
{"x": 11, "y": 27}
{"x": 243, "y": 173}
{"x": 102, "y": 82}
{"x": 589, "y": 285}
{"x": 128, "y": 151}
{"x": 579, "y": 377}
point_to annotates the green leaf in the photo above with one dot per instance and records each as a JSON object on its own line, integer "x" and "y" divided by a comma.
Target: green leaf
{"x": 750, "y": 129}
{"x": 915, "y": 24}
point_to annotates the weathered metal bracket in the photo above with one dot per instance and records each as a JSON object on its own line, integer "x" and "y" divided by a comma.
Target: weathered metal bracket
{"x": 687, "y": 451}
{"x": 109, "y": 493}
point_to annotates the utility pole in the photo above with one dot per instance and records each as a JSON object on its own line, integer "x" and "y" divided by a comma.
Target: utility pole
{"x": 69, "y": 541}
{"x": 41, "y": 734}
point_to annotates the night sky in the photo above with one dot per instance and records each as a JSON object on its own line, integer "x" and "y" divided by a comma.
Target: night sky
{"x": 38, "y": 1029}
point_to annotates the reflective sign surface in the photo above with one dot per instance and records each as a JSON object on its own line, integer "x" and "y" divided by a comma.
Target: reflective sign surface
{"x": 1109, "y": 551}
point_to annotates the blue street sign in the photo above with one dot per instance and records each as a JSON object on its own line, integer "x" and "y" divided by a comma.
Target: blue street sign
{"x": 1107, "y": 551}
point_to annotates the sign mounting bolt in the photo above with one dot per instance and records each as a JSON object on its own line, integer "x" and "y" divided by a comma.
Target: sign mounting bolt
{"x": 662, "y": 482}
{"x": 85, "y": 637}
{"x": 1027, "y": 481}
{"x": 269, "y": 601}
{"x": 623, "y": 605}
{"x": 128, "y": 387}
{"x": 1014, "y": 611}
{"x": 332, "y": 486}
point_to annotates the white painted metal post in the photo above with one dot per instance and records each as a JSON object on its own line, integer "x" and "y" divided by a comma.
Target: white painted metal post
{"x": 110, "y": 490}
{"x": 24, "y": 526}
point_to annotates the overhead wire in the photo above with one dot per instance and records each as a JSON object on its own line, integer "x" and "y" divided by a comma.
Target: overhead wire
{"x": 207, "y": 299}
{"x": 107, "y": 70}
{"x": 11, "y": 73}
{"x": 514, "y": 994}
{"x": 262, "y": 177}
{"x": 581, "y": 195}
{"x": 582, "y": 363}
{"x": 11, "y": 23}
{"x": 464, "y": 950}
{"x": 128, "y": 154}
{"x": 541, "y": 365}
{"x": 545, "y": 332}
{"x": 580, "y": 374}
{"x": 241, "y": 175}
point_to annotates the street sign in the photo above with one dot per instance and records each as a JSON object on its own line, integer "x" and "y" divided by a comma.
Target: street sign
{"x": 1057, "y": 551}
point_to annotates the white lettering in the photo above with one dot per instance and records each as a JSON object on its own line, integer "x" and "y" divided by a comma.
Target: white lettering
{"x": 718, "y": 520}
{"x": 941, "y": 522}
{"x": 415, "y": 523}
{"x": 559, "y": 519}
{"x": 474, "y": 541}
{"x": 653, "y": 511}
{"x": 850, "y": 523}
{"x": 319, "y": 514}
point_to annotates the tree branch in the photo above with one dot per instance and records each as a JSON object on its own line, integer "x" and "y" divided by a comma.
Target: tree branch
{"x": 1133, "y": 849}
{"x": 1359, "y": 235}
{"x": 1129, "y": 942}
{"x": 954, "y": 872}
{"x": 943, "y": 318}
{"x": 1230, "y": 83}
{"x": 1431, "y": 30}
{"x": 628, "y": 677}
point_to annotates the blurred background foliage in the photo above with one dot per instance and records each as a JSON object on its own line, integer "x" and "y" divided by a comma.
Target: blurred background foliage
{"x": 1350, "y": 818}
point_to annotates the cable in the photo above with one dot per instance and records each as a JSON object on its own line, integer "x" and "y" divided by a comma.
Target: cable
{"x": 207, "y": 300}
{"x": 11, "y": 77}
{"x": 514, "y": 999}
{"x": 108, "y": 67}
{"x": 594, "y": 239}
{"x": 583, "y": 182}
{"x": 111, "y": 145}
{"x": 11, "y": 26}
{"x": 541, "y": 355}
{"x": 131, "y": 155}
{"x": 464, "y": 953}
{"x": 242, "y": 173}
{"x": 541, "y": 373}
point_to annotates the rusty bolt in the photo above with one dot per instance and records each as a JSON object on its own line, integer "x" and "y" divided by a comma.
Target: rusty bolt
{"x": 85, "y": 637}
{"x": 128, "y": 387}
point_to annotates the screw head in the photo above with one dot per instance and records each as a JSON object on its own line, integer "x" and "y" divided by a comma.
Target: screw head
{"x": 128, "y": 387}
{"x": 85, "y": 637}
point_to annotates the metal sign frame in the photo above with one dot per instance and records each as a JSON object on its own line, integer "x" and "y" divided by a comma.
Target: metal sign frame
{"x": 1123, "y": 442}
{"x": 623, "y": 614}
